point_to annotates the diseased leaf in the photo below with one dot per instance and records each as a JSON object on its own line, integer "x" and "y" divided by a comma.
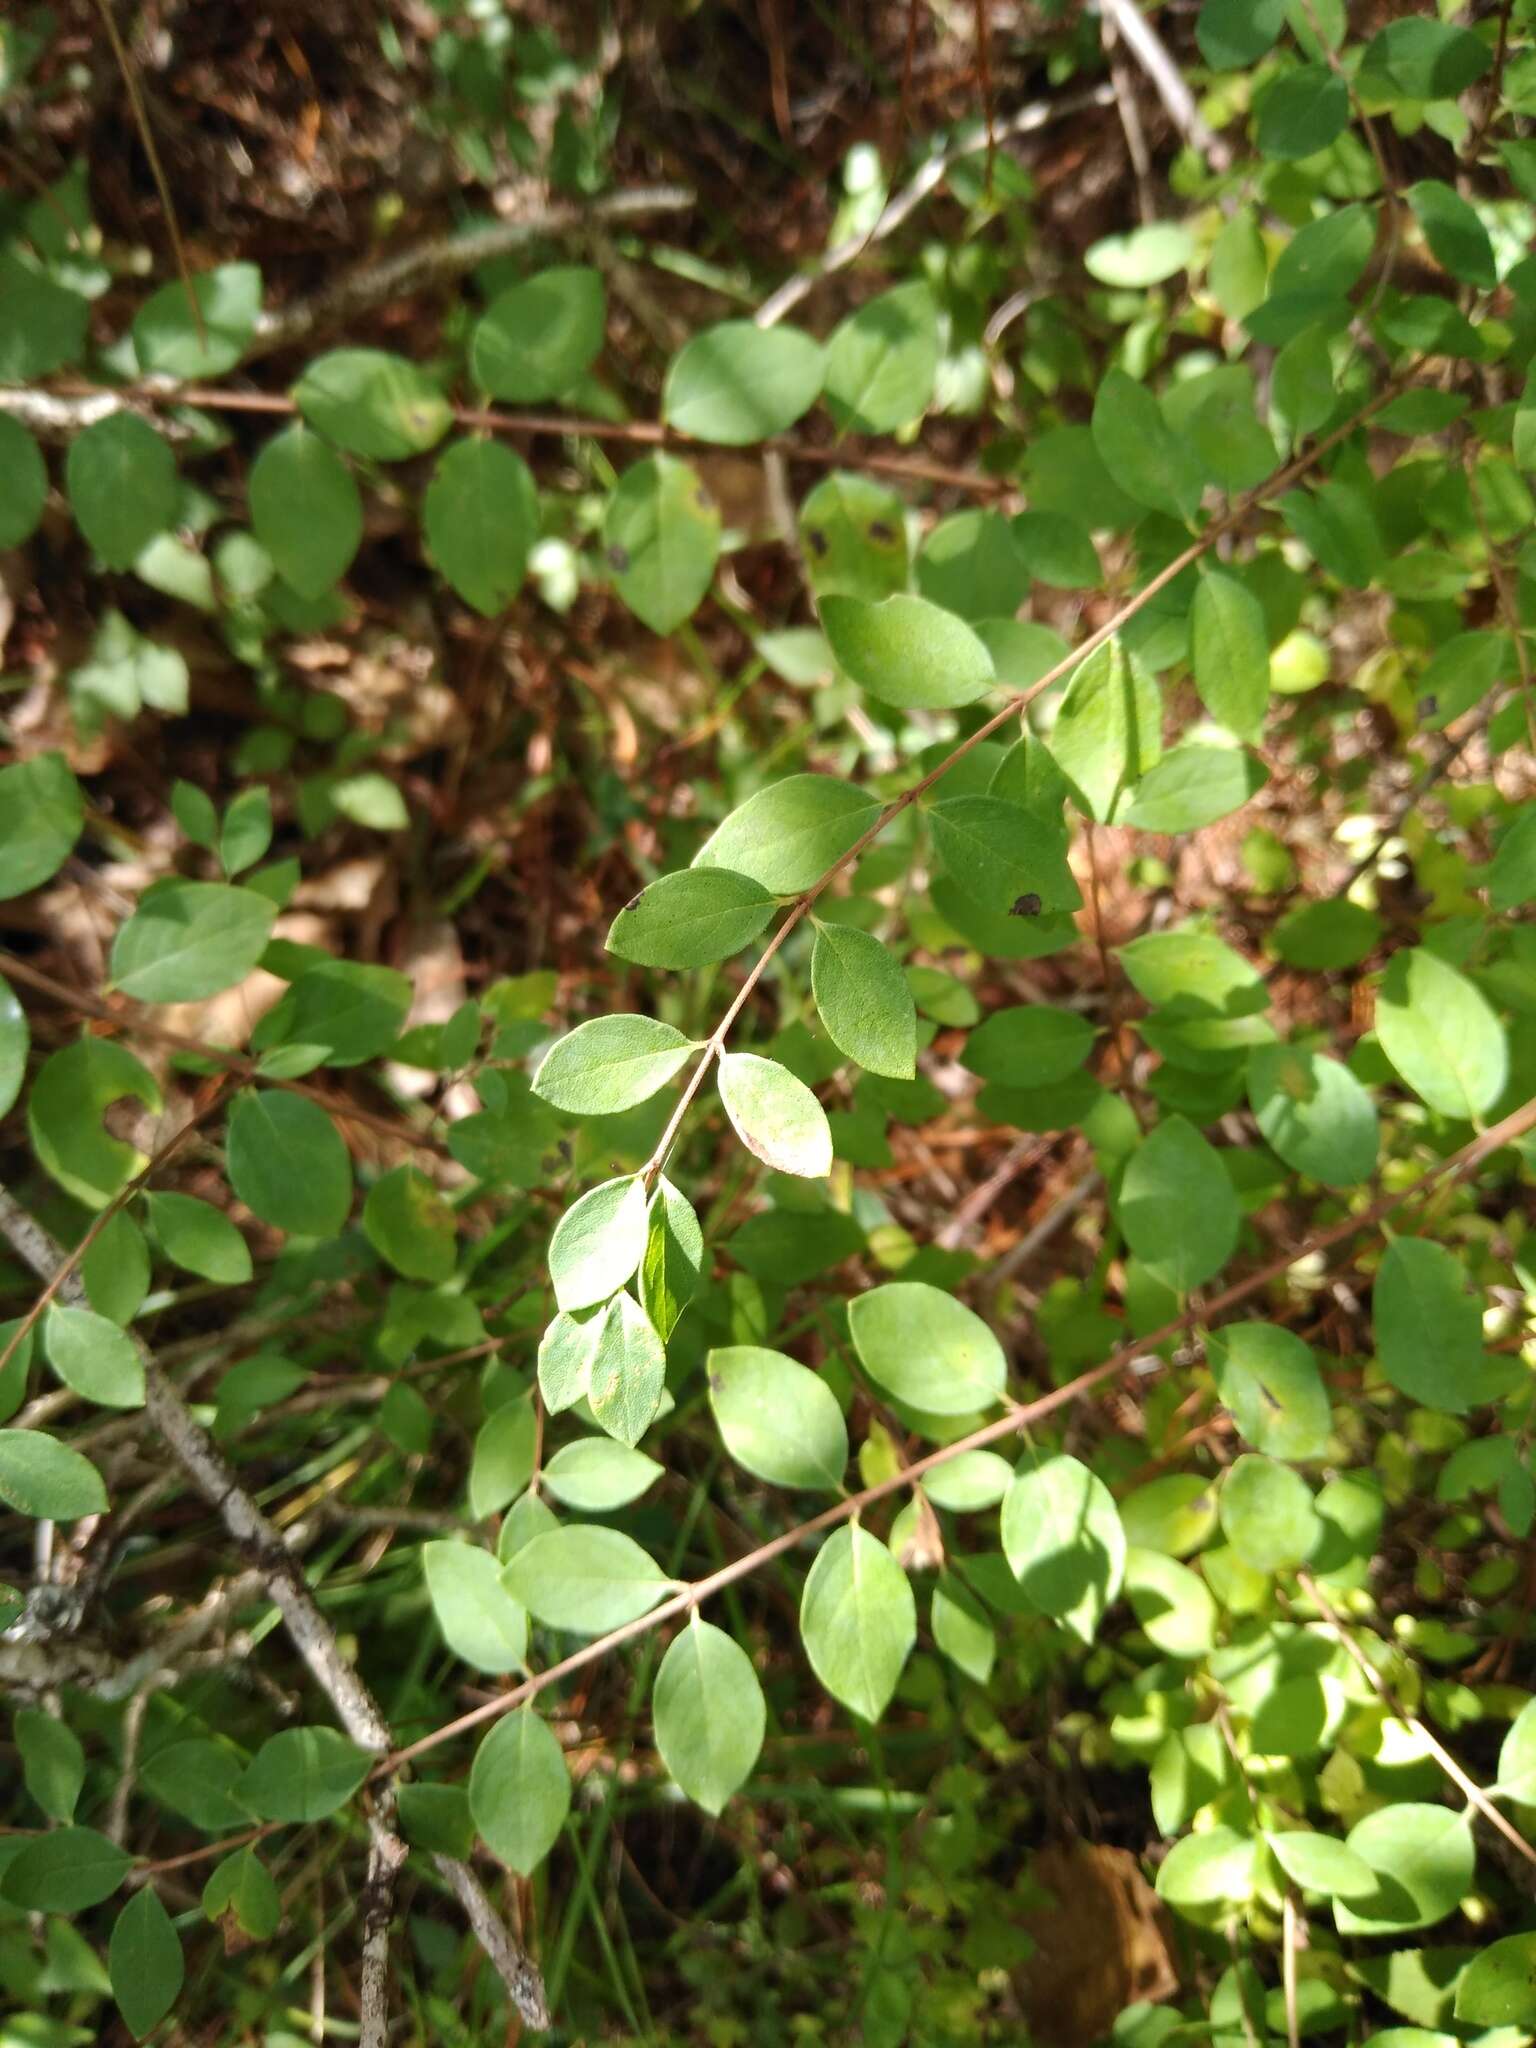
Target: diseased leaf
{"x": 775, "y": 1116}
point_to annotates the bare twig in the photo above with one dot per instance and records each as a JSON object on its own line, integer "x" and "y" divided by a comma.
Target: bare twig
{"x": 1147, "y": 47}
{"x": 525, "y": 1987}
{"x": 1039, "y": 114}
{"x": 1474, "y": 1793}
{"x": 446, "y": 257}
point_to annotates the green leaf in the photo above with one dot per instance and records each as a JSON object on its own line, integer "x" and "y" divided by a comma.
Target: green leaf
{"x": 864, "y": 1001}
{"x": 610, "y": 1064}
{"x": 1422, "y": 59}
{"x": 775, "y": 1116}
{"x": 882, "y": 361}
{"x": 188, "y": 940}
{"x": 1031, "y": 1046}
{"x": 968, "y": 1483}
{"x": 584, "y": 1579}
{"x": 1208, "y": 1877}
{"x": 1141, "y": 256}
{"x": 1511, "y": 874}
{"x": 786, "y": 836}
{"x": 971, "y": 563}
{"x": 166, "y": 338}
{"x": 1230, "y": 649}
{"x": 627, "y": 1371}
{"x": 1337, "y": 526}
{"x": 1190, "y": 1768}
{"x": 349, "y": 1010}
{"x": 42, "y": 326}
{"x": 1108, "y": 732}
{"x": 1327, "y": 257}
{"x": 437, "y": 1818}
{"x": 127, "y": 673}
{"x": 691, "y": 919}
{"x": 1063, "y": 1541}
{"x": 1314, "y": 1114}
{"x": 853, "y": 535}
{"x": 1177, "y": 1206}
{"x": 1429, "y": 1329}
{"x": 1172, "y": 1604}
{"x": 480, "y": 1620}
{"x": 1141, "y": 451}
{"x": 123, "y": 488}
{"x": 1239, "y": 264}
{"x": 373, "y": 403}
{"x": 1055, "y": 549}
{"x": 778, "y": 1419}
{"x": 1325, "y": 937}
{"x": 305, "y": 510}
{"x": 15, "y": 1043}
{"x": 858, "y": 1620}
{"x": 1498, "y": 1987}
{"x": 1268, "y": 1514}
{"x": 1302, "y": 388}
{"x": 23, "y": 483}
{"x": 520, "y": 1790}
{"x": 302, "y": 1774}
{"x": 41, "y": 813}
{"x": 674, "y": 1258}
{"x": 708, "y": 1712}
{"x": 372, "y": 800}
{"x": 52, "y": 1761}
{"x": 200, "y": 1239}
{"x": 65, "y": 1871}
{"x": 1193, "y": 786}
{"x": 927, "y": 1349}
{"x": 737, "y": 383}
{"x": 662, "y": 535}
{"x": 94, "y": 1357}
{"x": 481, "y": 517}
{"x": 1302, "y": 112}
{"x": 1236, "y": 33}
{"x": 247, "y": 832}
{"x": 1424, "y": 1860}
{"x": 1517, "y": 1758}
{"x": 196, "y": 1779}
{"x": 144, "y": 1962}
{"x": 47, "y": 1480}
{"x": 907, "y": 652}
{"x": 1457, "y": 238}
{"x": 998, "y": 852}
{"x": 1270, "y": 1380}
{"x": 536, "y": 338}
{"x": 408, "y": 1222}
{"x": 1321, "y": 1863}
{"x": 961, "y": 1631}
{"x": 1437, "y": 1029}
{"x": 598, "y": 1243}
{"x": 502, "y": 1465}
{"x": 287, "y": 1163}
{"x": 595, "y": 1477}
